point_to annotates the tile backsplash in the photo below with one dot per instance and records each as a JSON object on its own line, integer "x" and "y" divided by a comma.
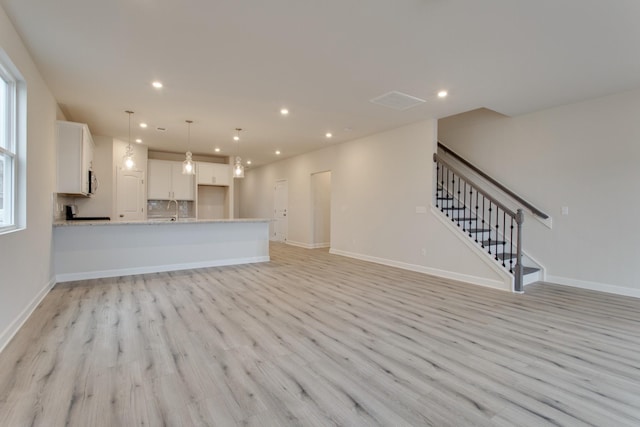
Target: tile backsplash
{"x": 158, "y": 209}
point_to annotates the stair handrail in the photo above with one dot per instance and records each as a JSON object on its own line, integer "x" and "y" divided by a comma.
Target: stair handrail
{"x": 504, "y": 189}
{"x": 477, "y": 187}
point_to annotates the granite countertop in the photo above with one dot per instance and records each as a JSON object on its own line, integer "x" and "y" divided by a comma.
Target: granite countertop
{"x": 157, "y": 221}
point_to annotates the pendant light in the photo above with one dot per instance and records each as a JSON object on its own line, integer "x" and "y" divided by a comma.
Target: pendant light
{"x": 188, "y": 166}
{"x": 238, "y": 169}
{"x": 128, "y": 160}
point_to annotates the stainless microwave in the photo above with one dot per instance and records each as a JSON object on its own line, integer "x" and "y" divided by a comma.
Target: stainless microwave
{"x": 93, "y": 183}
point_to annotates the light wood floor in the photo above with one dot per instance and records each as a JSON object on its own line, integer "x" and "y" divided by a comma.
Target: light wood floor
{"x": 315, "y": 339}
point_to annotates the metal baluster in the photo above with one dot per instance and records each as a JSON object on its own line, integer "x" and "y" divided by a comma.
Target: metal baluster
{"x": 511, "y": 248}
{"x": 437, "y": 177}
{"x": 497, "y": 230}
{"x": 464, "y": 205}
{"x": 477, "y": 216}
{"x": 457, "y": 205}
{"x": 490, "y": 228}
{"x": 504, "y": 235}
{"x": 446, "y": 192}
{"x": 481, "y": 239}
{"x": 470, "y": 203}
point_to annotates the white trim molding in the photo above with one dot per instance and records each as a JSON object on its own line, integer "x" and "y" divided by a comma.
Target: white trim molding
{"x": 17, "y": 323}
{"x": 308, "y": 245}
{"x": 594, "y": 286}
{"x": 474, "y": 280}
{"x": 86, "y": 275}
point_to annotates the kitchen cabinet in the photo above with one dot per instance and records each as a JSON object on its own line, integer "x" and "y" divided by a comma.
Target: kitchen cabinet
{"x": 213, "y": 174}
{"x": 165, "y": 181}
{"x": 74, "y": 155}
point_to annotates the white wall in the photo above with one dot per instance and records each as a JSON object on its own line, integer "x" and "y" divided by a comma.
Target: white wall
{"x": 584, "y": 156}
{"x": 25, "y": 255}
{"x": 376, "y": 183}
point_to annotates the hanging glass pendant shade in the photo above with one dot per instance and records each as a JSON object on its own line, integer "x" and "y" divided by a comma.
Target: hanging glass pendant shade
{"x": 238, "y": 169}
{"x": 188, "y": 167}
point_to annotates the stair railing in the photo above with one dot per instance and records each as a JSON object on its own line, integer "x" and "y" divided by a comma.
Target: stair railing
{"x": 504, "y": 189}
{"x": 485, "y": 219}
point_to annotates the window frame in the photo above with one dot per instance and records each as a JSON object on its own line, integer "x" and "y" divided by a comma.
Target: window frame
{"x": 9, "y": 147}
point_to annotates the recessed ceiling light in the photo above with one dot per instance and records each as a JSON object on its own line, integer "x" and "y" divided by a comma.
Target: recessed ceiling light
{"x": 277, "y": 152}
{"x": 236, "y": 138}
{"x": 143, "y": 125}
{"x": 157, "y": 84}
{"x": 328, "y": 135}
{"x": 443, "y": 94}
{"x": 217, "y": 150}
{"x": 284, "y": 111}
{"x": 248, "y": 162}
{"x": 138, "y": 140}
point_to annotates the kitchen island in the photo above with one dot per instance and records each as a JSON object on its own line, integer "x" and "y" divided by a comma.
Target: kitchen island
{"x": 95, "y": 249}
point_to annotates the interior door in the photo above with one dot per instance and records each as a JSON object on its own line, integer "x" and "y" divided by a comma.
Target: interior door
{"x": 130, "y": 195}
{"x": 281, "y": 204}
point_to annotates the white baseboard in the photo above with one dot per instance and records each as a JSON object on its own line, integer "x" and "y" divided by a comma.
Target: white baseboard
{"x": 69, "y": 277}
{"x": 594, "y": 286}
{"x": 308, "y": 245}
{"x": 482, "y": 281}
{"x": 15, "y": 326}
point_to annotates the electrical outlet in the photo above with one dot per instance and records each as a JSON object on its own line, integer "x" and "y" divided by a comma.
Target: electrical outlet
{"x": 424, "y": 252}
{"x": 565, "y": 210}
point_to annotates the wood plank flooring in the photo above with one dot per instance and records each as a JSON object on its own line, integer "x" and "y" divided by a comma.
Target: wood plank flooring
{"x": 313, "y": 339}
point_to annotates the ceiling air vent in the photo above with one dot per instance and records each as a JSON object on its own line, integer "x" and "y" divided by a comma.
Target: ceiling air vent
{"x": 397, "y": 100}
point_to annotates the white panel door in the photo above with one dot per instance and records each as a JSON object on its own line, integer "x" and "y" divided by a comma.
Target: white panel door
{"x": 281, "y": 204}
{"x": 130, "y": 195}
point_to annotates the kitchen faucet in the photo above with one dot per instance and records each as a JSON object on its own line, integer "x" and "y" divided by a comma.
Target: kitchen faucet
{"x": 175, "y": 217}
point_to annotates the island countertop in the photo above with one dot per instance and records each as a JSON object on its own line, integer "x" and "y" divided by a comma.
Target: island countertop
{"x": 157, "y": 221}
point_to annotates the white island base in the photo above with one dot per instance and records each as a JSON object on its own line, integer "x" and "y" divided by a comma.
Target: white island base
{"x": 91, "y": 250}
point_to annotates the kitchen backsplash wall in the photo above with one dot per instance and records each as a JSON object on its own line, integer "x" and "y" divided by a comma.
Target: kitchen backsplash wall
{"x": 158, "y": 209}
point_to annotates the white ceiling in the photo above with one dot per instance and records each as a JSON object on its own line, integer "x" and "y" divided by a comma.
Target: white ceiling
{"x": 235, "y": 63}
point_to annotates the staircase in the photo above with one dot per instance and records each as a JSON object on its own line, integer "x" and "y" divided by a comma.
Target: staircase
{"x": 495, "y": 228}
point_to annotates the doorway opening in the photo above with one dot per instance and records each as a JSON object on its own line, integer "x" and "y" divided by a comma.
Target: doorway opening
{"x": 321, "y": 209}
{"x": 280, "y": 206}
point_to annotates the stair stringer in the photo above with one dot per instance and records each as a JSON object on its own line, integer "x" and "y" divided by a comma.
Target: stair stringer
{"x": 508, "y": 280}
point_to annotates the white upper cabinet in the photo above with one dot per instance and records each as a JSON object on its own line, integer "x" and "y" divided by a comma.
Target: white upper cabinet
{"x": 74, "y": 157}
{"x": 213, "y": 174}
{"x": 165, "y": 181}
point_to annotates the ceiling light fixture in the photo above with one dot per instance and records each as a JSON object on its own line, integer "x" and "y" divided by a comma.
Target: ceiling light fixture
{"x": 284, "y": 111}
{"x": 277, "y": 152}
{"x": 238, "y": 169}
{"x": 143, "y": 125}
{"x": 188, "y": 166}
{"x": 248, "y": 162}
{"x": 128, "y": 160}
{"x": 443, "y": 94}
{"x": 157, "y": 84}
{"x": 328, "y": 135}
{"x": 217, "y": 150}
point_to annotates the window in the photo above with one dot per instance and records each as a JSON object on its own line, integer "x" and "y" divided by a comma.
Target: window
{"x": 8, "y": 145}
